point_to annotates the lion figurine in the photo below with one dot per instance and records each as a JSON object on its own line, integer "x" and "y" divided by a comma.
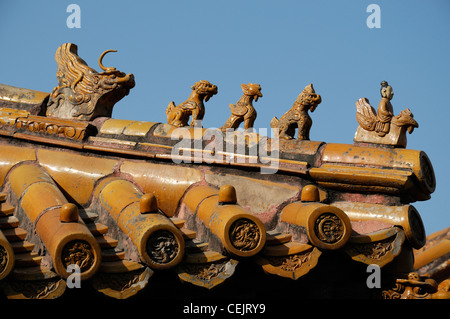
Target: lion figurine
{"x": 297, "y": 116}
{"x": 179, "y": 115}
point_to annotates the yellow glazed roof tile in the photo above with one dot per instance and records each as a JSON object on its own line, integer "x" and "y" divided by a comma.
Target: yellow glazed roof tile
{"x": 114, "y": 126}
{"x": 138, "y": 128}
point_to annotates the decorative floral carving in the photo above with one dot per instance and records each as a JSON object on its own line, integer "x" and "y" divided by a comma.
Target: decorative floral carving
{"x": 329, "y": 228}
{"x": 205, "y": 271}
{"x": 244, "y": 234}
{"x": 118, "y": 282}
{"x": 411, "y": 287}
{"x": 62, "y": 128}
{"x": 162, "y": 247}
{"x": 35, "y": 289}
{"x": 290, "y": 262}
{"x": 373, "y": 250}
{"x": 78, "y": 252}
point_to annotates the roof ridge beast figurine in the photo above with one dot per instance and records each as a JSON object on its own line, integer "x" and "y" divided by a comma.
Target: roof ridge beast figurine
{"x": 382, "y": 126}
{"x": 83, "y": 93}
{"x": 297, "y": 116}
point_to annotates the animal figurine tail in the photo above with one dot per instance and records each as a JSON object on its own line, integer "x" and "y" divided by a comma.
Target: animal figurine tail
{"x": 169, "y": 109}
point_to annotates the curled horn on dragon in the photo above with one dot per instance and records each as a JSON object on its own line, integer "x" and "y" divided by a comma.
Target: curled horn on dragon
{"x": 83, "y": 93}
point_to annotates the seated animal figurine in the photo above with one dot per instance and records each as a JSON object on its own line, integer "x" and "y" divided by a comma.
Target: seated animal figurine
{"x": 179, "y": 115}
{"x": 297, "y": 116}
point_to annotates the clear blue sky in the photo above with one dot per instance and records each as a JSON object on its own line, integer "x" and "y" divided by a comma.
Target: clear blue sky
{"x": 282, "y": 45}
